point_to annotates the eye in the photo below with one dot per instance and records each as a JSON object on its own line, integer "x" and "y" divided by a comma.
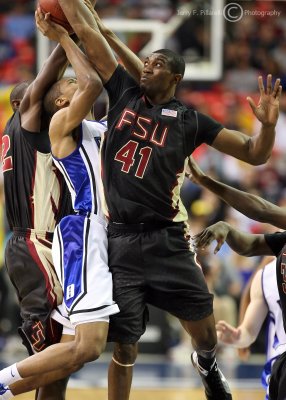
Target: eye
{"x": 158, "y": 64}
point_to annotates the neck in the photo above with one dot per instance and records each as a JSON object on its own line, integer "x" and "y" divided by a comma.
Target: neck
{"x": 160, "y": 98}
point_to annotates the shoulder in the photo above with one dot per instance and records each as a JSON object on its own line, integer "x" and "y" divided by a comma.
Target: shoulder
{"x": 13, "y": 125}
{"x": 119, "y": 76}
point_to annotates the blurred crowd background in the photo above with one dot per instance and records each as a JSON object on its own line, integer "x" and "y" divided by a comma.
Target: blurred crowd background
{"x": 253, "y": 46}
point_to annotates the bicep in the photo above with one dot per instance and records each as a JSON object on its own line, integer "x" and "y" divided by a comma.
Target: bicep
{"x": 257, "y": 309}
{"x": 259, "y": 247}
{"x": 247, "y": 244}
{"x": 30, "y": 109}
{"x": 233, "y": 143}
{"x": 79, "y": 107}
{"x": 68, "y": 118}
{"x": 99, "y": 53}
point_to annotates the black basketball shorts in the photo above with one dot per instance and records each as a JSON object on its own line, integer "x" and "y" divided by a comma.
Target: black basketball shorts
{"x": 153, "y": 267}
{"x": 28, "y": 259}
{"x": 277, "y": 384}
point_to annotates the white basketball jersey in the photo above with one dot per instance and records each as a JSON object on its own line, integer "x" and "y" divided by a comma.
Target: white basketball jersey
{"x": 81, "y": 169}
{"x": 276, "y": 334}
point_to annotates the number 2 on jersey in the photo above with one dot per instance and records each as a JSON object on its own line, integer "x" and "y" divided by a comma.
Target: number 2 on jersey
{"x": 7, "y": 163}
{"x": 126, "y": 155}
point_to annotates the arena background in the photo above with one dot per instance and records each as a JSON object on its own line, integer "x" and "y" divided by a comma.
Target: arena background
{"x": 227, "y": 45}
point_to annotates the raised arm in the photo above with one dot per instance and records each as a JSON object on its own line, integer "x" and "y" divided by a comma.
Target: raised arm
{"x": 131, "y": 61}
{"x": 96, "y": 47}
{"x": 252, "y": 206}
{"x": 81, "y": 93}
{"x": 31, "y": 105}
{"x": 246, "y": 333}
{"x": 257, "y": 149}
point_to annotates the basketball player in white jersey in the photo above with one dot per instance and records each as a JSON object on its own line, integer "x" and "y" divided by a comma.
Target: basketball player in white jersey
{"x": 264, "y": 302}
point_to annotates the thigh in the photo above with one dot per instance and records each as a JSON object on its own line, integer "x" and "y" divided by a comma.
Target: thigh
{"x": 175, "y": 280}
{"x": 89, "y": 334}
{"x": 37, "y": 288}
{"x": 29, "y": 267}
{"x": 125, "y": 263}
{"x": 80, "y": 256}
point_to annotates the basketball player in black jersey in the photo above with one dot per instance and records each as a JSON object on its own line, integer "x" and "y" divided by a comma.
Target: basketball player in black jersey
{"x": 150, "y": 135}
{"x": 249, "y": 245}
{"x": 36, "y": 198}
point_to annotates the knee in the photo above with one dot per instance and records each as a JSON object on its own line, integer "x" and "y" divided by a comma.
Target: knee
{"x": 125, "y": 353}
{"x": 86, "y": 352}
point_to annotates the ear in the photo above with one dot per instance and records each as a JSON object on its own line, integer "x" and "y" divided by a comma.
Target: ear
{"x": 61, "y": 102}
{"x": 15, "y": 104}
{"x": 178, "y": 78}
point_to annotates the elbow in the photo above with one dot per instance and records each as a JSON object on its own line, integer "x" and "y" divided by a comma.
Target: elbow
{"x": 260, "y": 160}
{"x": 93, "y": 83}
{"x": 256, "y": 156}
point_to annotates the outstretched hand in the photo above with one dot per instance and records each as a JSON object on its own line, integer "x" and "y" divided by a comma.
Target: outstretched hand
{"x": 267, "y": 110}
{"x": 216, "y": 232}
{"x": 227, "y": 334}
{"x": 47, "y": 27}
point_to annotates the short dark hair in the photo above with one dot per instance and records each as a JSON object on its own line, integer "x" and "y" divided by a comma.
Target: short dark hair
{"x": 18, "y": 91}
{"x": 50, "y": 98}
{"x": 176, "y": 61}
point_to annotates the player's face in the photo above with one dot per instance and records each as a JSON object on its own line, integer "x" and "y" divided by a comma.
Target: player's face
{"x": 156, "y": 75}
{"x": 68, "y": 87}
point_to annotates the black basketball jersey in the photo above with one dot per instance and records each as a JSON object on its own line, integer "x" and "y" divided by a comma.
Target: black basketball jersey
{"x": 36, "y": 195}
{"x": 145, "y": 152}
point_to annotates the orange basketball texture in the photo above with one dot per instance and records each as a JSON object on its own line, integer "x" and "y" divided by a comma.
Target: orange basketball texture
{"x": 57, "y": 14}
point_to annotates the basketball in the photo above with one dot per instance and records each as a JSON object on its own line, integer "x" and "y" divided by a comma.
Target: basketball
{"x": 57, "y": 14}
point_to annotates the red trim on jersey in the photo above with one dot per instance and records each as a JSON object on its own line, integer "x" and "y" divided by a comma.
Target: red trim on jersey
{"x": 36, "y": 258}
{"x": 32, "y": 199}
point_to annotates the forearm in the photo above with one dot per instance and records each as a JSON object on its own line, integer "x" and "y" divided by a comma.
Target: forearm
{"x": 245, "y": 339}
{"x": 261, "y": 145}
{"x": 86, "y": 28}
{"x": 53, "y": 68}
{"x": 252, "y": 206}
{"x": 242, "y": 243}
{"x": 83, "y": 70}
{"x": 131, "y": 62}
